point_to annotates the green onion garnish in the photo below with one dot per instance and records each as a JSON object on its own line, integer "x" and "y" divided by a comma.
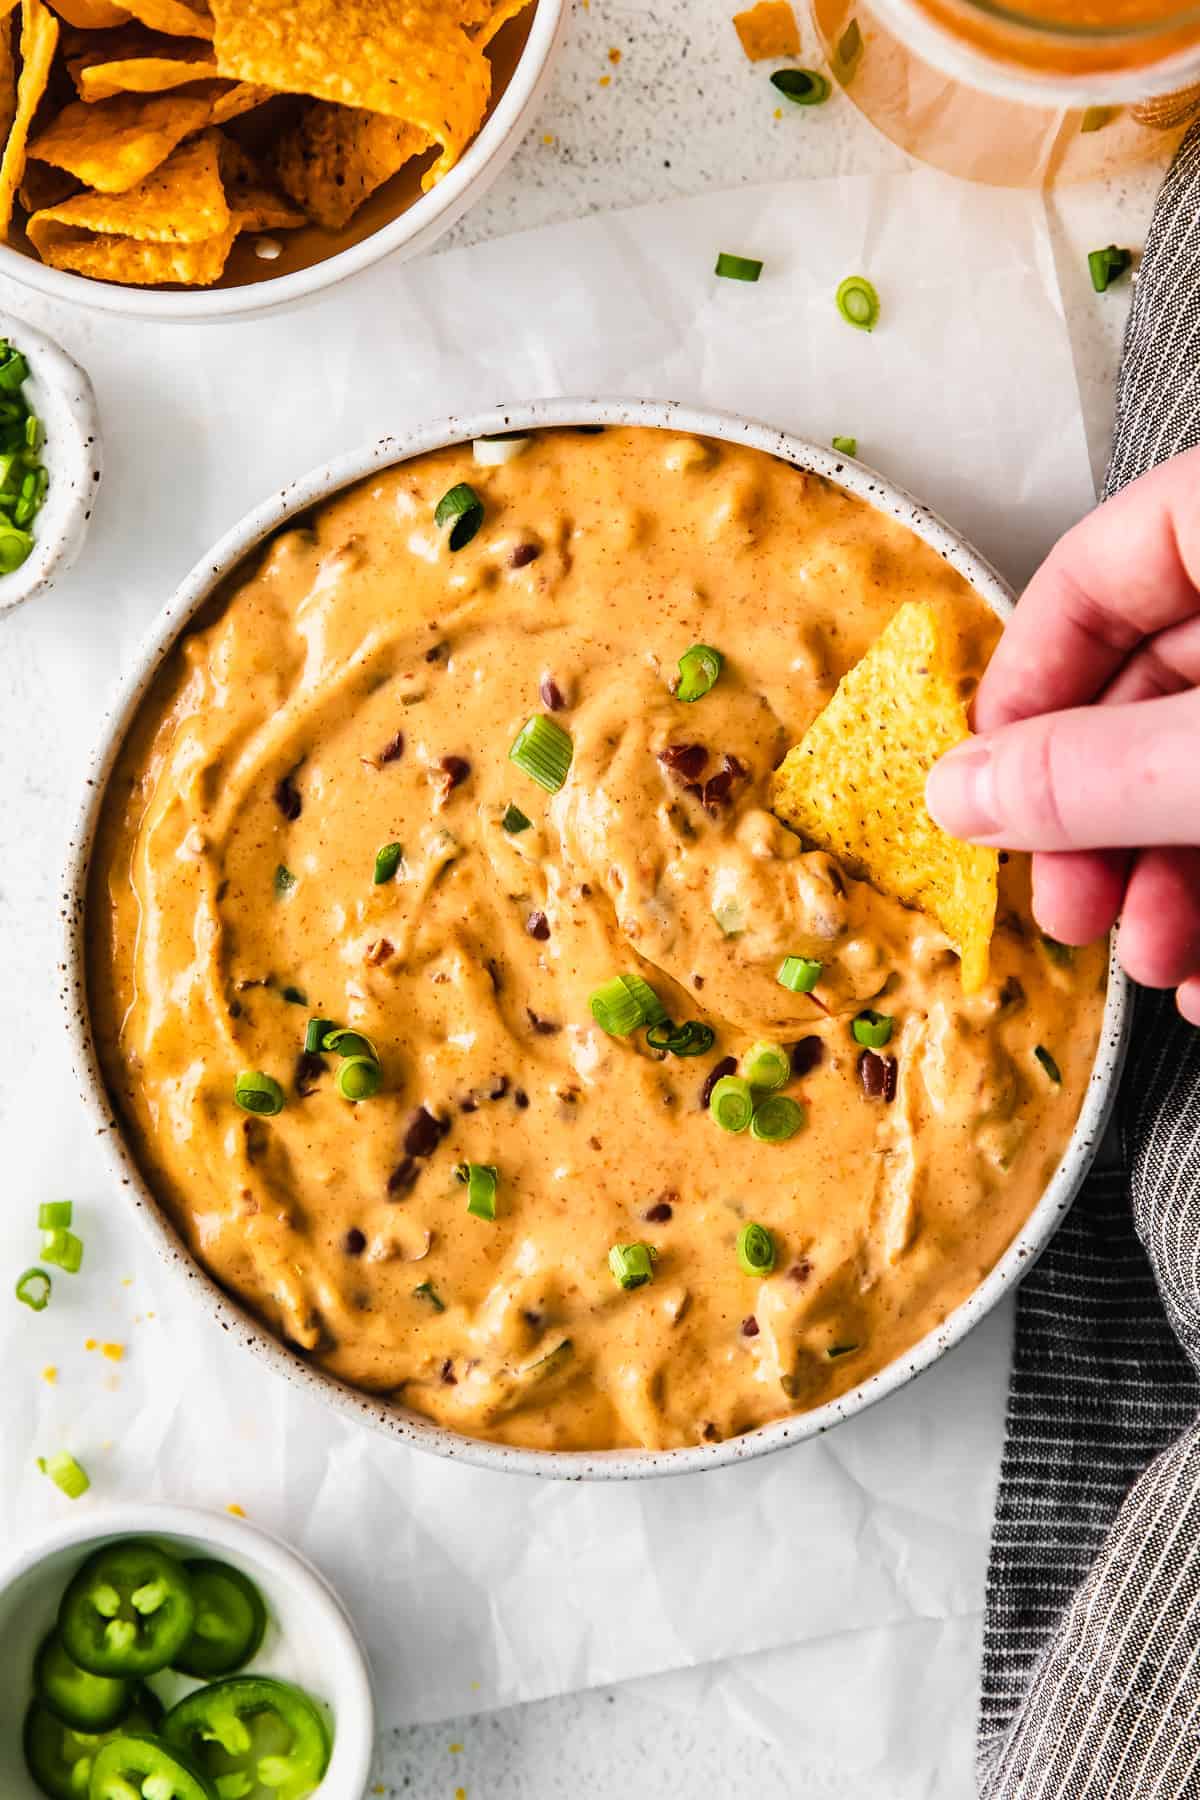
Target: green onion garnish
{"x": 33, "y": 1289}
{"x": 776, "y": 1119}
{"x": 543, "y": 750}
{"x": 731, "y": 1103}
{"x": 426, "y": 1291}
{"x": 63, "y": 1249}
{"x": 284, "y": 879}
{"x": 294, "y": 996}
{"x": 463, "y": 506}
{"x": 23, "y": 479}
{"x": 359, "y": 1078}
{"x": 387, "y": 861}
{"x": 766, "y": 1066}
{"x": 14, "y": 548}
{"x": 689, "y": 1039}
{"x": 13, "y": 368}
{"x": 632, "y": 1265}
{"x": 54, "y": 1213}
{"x": 1095, "y": 118}
{"x": 858, "y": 303}
{"x": 755, "y": 1249}
{"x": 499, "y": 447}
{"x": 314, "y": 1035}
{"x": 1048, "y": 1063}
{"x": 480, "y": 1180}
{"x": 738, "y": 268}
{"x": 872, "y": 1029}
{"x": 846, "y": 446}
{"x": 625, "y": 1004}
{"x": 803, "y": 87}
{"x": 64, "y": 1471}
{"x": 514, "y": 820}
{"x": 800, "y": 974}
{"x": 343, "y": 1042}
{"x": 255, "y": 1092}
{"x": 1108, "y": 265}
{"x": 699, "y": 668}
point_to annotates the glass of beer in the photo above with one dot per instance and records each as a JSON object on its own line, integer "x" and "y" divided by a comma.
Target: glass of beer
{"x": 1020, "y": 94}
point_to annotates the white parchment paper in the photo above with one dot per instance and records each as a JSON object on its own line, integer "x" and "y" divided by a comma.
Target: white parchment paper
{"x": 476, "y": 1590}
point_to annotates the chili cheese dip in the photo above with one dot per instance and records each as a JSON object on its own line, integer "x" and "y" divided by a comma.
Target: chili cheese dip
{"x": 466, "y": 1194}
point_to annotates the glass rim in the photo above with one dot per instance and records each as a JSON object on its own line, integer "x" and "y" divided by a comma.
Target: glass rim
{"x": 1147, "y": 28}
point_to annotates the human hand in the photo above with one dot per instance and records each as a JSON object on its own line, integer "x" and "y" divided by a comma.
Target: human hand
{"x": 1089, "y": 745}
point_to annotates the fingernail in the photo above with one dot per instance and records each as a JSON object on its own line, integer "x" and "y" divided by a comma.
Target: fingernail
{"x": 960, "y": 792}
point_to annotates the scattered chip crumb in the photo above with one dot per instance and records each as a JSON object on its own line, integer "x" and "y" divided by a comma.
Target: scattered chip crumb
{"x": 779, "y": 112}
{"x": 90, "y": 1344}
{"x": 614, "y": 55}
{"x": 605, "y": 81}
{"x": 50, "y": 1374}
{"x": 768, "y": 29}
{"x": 127, "y": 1281}
{"x": 460, "y": 1794}
{"x": 547, "y": 137}
{"x": 455, "y": 1749}
{"x": 114, "y": 1352}
{"x": 239, "y": 1512}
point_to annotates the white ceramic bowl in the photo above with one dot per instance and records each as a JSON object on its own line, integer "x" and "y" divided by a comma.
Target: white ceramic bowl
{"x": 310, "y": 1637}
{"x": 409, "y": 232}
{"x": 207, "y": 575}
{"x": 61, "y": 395}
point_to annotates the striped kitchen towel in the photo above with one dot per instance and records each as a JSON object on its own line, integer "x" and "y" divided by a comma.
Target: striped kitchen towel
{"x": 1091, "y": 1668}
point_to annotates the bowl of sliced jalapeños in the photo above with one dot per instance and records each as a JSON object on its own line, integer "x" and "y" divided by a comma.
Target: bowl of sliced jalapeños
{"x": 160, "y": 1653}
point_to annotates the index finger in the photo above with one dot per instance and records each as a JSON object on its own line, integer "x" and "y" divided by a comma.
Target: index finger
{"x": 1130, "y": 569}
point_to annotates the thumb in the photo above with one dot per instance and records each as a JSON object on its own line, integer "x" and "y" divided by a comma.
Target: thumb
{"x": 1096, "y": 777}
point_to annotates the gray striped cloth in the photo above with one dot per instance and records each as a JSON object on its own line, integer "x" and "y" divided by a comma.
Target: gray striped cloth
{"x": 1091, "y": 1668}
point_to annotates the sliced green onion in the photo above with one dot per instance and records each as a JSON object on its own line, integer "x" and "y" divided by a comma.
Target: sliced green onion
{"x": 294, "y": 996}
{"x": 284, "y": 879}
{"x": 359, "y": 1078}
{"x": 730, "y": 916}
{"x": 63, "y": 1249}
{"x": 343, "y": 1042}
{"x": 1108, "y": 265}
{"x": 731, "y": 1103}
{"x": 463, "y": 506}
{"x": 690, "y": 1039}
{"x": 480, "y": 1180}
{"x": 738, "y": 268}
{"x": 387, "y": 861}
{"x": 840, "y": 1350}
{"x": 544, "y": 751}
{"x": 776, "y": 1119}
{"x": 1095, "y": 118}
{"x": 1048, "y": 1063}
{"x": 799, "y": 974}
{"x": 14, "y": 549}
{"x": 54, "y": 1213}
{"x": 625, "y": 1004}
{"x": 13, "y": 369}
{"x": 699, "y": 668}
{"x": 632, "y": 1265}
{"x": 33, "y": 1289}
{"x": 755, "y": 1249}
{"x": 858, "y": 303}
{"x": 255, "y": 1092}
{"x": 426, "y": 1291}
{"x": 803, "y": 87}
{"x": 846, "y": 446}
{"x": 314, "y": 1035}
{"x": 514, "y": 820}
{"x": 494, "y": 452}
{"x": 872, "y": 1029}
{"x": 62, "y": 1468}
{"x": 766, "y": 1066}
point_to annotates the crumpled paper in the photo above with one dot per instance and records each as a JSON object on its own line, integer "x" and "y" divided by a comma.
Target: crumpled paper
{"x": 474, "y": 1589}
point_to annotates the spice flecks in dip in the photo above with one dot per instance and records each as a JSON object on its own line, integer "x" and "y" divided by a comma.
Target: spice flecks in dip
{"x": 357, "y": 687}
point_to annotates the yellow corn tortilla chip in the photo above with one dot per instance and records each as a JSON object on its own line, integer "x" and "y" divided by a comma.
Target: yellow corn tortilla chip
{"x": 91, "y": 15}
{"x": 178, "y": 18}
{"x": 855, "y": 785}
{"x": 768, "y": 29}
{"x": 495, "y": 14}
{"x": 139, "y": 67}
{"x": 410, "y": 59}
{"x": 253, "y": 202}
{"x": 8, "y": 68}
{"x": 183, "y": 202}
{"x": 113, "y": 144}
{"x": 45, "y": 186}
{"x": 236, "y": 98}
{"x": 137, "y": 263}
{"x": 335, "y": 156}
{"x": 39, "y": 39}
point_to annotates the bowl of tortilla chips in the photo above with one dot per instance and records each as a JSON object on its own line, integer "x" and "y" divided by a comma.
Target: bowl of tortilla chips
{"x": 206, "y": 158}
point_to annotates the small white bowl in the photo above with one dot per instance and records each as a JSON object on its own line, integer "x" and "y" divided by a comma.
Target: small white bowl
{"x": 60, "y": 393}
{"x": 310, "y": 1639}
{"x": 410, "y": 231}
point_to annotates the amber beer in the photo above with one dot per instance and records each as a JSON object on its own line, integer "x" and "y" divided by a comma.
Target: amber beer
{"x": 1033, "y": 92}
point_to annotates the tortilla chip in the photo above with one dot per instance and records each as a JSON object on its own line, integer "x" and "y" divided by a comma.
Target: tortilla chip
{"x": 855, "y": 785}
{"x": 410, "y": 59}
{"x": 8, "y": 69}
{"x": 768, "y": 29}
{"x": 178, "y": 18}
{"x": 134, "y": 62}
{"x": 183, "y": 202}
{"x": 91, "y": 15}
{"x": 335, "y": 156}
{"x": 139, "y": 264}
{"x": 39, "y": 39}
{"x": 495, "y": 15}
{"x": 113, "y": 144}
{"x": 45, "y": 186}
{"x": 236, "y": 98}
{"x": 253, "y": 202}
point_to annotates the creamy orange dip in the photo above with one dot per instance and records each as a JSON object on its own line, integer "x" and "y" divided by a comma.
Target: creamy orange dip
{"x": 358, "y": 684}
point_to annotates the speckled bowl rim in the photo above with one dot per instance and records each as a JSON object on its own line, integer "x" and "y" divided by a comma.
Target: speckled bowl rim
{"x": 350, "y": 1403}
{"x": 410, "y": 232}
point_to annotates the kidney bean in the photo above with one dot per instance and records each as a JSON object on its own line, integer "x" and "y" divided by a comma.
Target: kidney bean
{"x": 424, "y": 1133}
{"x": 523, "y": 554}
{"x": 726, "y": 1066}
{"x": 287, "y": 798}
{"x": 538, "y": 926}
{"x": 553, "y": 698}
{"x": 393, "y": 750}
{"x": 684, "y": 760}
{"x": 806, "y": 1056}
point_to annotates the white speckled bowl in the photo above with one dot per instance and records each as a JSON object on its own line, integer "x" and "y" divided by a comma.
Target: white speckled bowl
{"x": 403, "y": 235}
{"x": 310, "y": 1637}
{"x": 61, "y": 395}
{"x": 396, "y": 1421}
